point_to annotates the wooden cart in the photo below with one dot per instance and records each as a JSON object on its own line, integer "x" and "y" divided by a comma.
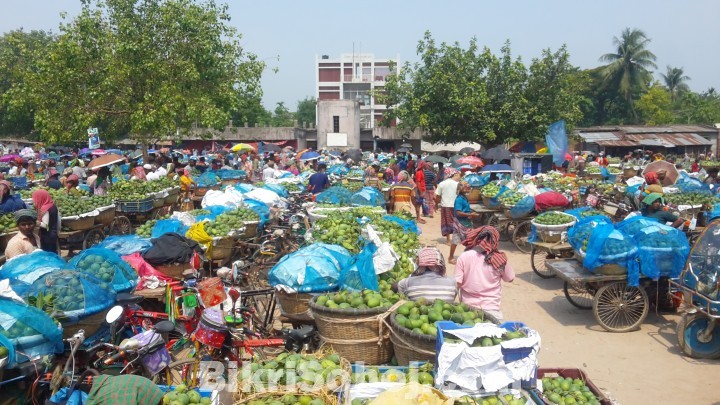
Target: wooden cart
{"x": 542, "y": 253}
{"x": 85, "y": 238}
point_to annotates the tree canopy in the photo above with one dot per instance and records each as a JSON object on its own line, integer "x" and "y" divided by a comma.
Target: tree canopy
{"x": 148, "y": 68}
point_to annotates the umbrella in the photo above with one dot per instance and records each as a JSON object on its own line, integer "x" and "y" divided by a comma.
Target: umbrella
{"x": 115, "y": 151}
{"x": 436, "y": 159}
{"x": 8, "y": 158}
{"x": 98, "y": 152}
{"x": 672, "y": 173}
{"x": 406, "y": 145}
{"x": 471, "y": 160}
{"x": 453, "y": 159}
{"x": 84, "y": 151}
{"x": 497, "y": 168}
{"x": 354, "y": 154}
{"x": 403, "y": 150}
{"x": 105, "y": 160}
{"x": 467, "y": 149}
{"x": 136, "y": 154}
{"x": 309, "y": 155}
{"x": 497, "y": 153}
{"x": 242, "y": 147}
{"x": 335, "y": 153}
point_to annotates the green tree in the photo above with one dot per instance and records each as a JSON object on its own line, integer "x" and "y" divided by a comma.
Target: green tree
{"x": 251, "y": 111}
{"x": 148, "y": 68}
{"x": 282, "y": 117}
{"x": 654, "y": 107}
{"x": 458, "y": 94}
{"x": 627, "y": 72}
{"x": 19, "y": 52}
{"x": 676, "y": 82}
{"x": 694, "y": 108}
{"x": 306, "y": 111}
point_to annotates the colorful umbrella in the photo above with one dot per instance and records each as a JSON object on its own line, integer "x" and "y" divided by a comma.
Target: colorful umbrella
{"x": 242, "y": 147}
{"x": 105, "y": 160}
{"x": 309, "y": 155}
{"x": 671, "y": 175}
{"x": 471, "y": 160}
{"x": 8, "y": 158}
{"x": 99, "y": 152}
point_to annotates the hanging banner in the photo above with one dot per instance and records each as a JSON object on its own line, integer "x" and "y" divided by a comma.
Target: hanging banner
{"x": 93, "y": 138}
{"x": 557, "y": 141}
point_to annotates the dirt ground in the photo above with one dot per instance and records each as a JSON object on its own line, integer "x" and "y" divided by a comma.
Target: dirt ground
{"x": 641, "y": 367}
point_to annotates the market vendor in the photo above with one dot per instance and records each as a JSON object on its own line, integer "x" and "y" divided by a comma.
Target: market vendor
{"x": 52, "y": 180}
{"x": 124, "y": 390}
{"x": 402, "y": 195}
{"x": 9, "y": 202}
{"x": 319, "y": 181}
{"x": 652, "y": 184}
{"x": 653, "y": 208}
{"x": 712, "y": 176}
{"x": 103, "y": 182}
{"x": 25, "y": 241}
{"x": 428, "y": 281}
{"x": 48, "y": 219}
{"x": 71, "y": 185}
{"x": 186, "y": 182}
{"x": 462, "y": 222}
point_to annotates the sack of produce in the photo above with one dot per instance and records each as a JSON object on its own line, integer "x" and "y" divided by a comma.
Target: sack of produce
{"x": 126, "y": 244}
{"x": 107, "y": 266}
{"x": 26, "y": 332}
{"x": 361, "y": 274}
{"x": 368, "y": 196}
{"x": 408, "y": 225}
{"x": 336, "y": 195}
{"x": 523, "y": 207}
{"x": 244, "y": 187}
{"x": 687, "y": 184}
{"x": 164, "y": 226}
{"x": 30, "y": 267}
{"x": 260, "y": 208}
{"x": 550, "y": 199}
{"x": 310, "y": 269}
{"x": 207, "y": 179}
{"x": 277, "y": 189}
{"x": 610, "y": 251}
{"x": 338, "y": 170}
{"x": 579, "y": 234}
{"x": 477, "y": 180}
{"x": 74, "y": 293}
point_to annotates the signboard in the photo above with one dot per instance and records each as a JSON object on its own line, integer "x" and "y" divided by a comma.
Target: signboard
{"x": 336, "y": 139}
{"x": 93, "y": 138}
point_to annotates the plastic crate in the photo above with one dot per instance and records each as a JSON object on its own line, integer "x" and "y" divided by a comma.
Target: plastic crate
{"x": 19, "y": 183}
{"x": 134, "y": 206}
{"x": 567, "y": 373}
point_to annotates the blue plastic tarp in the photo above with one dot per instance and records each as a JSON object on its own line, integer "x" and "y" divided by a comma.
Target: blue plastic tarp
{"x": 126, "y": 244}
{"x": 30, "y": 267}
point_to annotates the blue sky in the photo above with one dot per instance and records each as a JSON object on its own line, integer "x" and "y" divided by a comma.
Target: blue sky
{"x": 684, "y": 34}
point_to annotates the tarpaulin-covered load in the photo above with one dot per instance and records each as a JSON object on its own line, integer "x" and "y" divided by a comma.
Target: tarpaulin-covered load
{"x": 277, "y": 189}
{"x": 584, "y": 212}
{"x": 207, "y": 179}
{"x": 336, "y": 195}
{"x": 244, "y": 187}
{"x": 74, "y": 293}
{"x": 361, "y": 274}
{"x": 126, "y": 244}
{"x": 171, "y": 248}
{"x": 163, "y": 226}
{"x": 210, "y": 213}
{"x": 338, "y": 170}
{"x": 30, "y": 267}
{"x": 610, "y": 251}
{"x": 230, "y": 174}
{"x": 368, "y": 196}
{"x": 27, "y": 332}
{"x": 314, "y": 268}
{"x": 107, "y": 266}
{"x": 523, "y": 208}
{"x": 260, "y": 208}
{"x": 477, "y": 180}
{"x": 408, "y": 224}
{"x": 687, "y": 184}
{"x": 355, "y": 173}
{"x": 550, "y": 199}
{"x": 579, "y": 234}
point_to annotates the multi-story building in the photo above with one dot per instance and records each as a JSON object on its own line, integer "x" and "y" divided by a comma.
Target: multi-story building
{"x": 355, "y": 77}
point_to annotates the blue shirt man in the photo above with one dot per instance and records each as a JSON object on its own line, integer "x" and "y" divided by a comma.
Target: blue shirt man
{"x": 319, "y": 181}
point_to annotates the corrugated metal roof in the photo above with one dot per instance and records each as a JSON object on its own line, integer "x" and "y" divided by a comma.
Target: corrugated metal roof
{"x": 617, "y": 143}
{"x": 670, "y": 140}
{"x": 639, "y": 129}
{"x": 598, "y": 136}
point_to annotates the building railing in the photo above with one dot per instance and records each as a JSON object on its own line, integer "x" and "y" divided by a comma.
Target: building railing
{"x": 363, "y": 78}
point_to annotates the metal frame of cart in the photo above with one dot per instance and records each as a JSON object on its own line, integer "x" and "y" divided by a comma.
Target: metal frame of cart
{"x": 515, "y": 229}
{"x": 86, "y": 238}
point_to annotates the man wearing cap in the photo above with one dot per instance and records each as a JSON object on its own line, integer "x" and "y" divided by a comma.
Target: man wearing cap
{"x": 151, "y": 174}
{"x": 25, "y": 241}
{"x": 653, "y": 208}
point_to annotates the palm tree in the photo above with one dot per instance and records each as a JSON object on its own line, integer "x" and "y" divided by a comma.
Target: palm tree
{"x": 675, "y": 81}
{"x": 628, "y": 68}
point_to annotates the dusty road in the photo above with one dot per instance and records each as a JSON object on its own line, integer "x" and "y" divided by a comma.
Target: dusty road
{"x": 640, "y": 367}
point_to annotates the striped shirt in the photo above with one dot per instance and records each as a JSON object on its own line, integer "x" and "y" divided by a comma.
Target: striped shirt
{"x": 430, "y": 286}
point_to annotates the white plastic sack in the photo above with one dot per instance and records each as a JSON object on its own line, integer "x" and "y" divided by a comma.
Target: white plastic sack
{"x": 262, "y": 194}
{"x": 531, "y": 189}
{"x": 634, "y": 181}
{"x": 229, "y": 198}
{"x": 183, "y": 217}
{"x": 384, "y": 258}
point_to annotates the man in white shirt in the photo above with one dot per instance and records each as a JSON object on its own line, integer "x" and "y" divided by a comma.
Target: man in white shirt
{"x": 161, "y": 172}
{"x": 13, "y": 169}
{"x": 445, "y": 195}
{"x": 151, "y": 174}
{"x": 269, "y": 171}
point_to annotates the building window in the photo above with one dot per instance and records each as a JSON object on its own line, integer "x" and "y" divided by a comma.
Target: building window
{"x": 336, "y": 124}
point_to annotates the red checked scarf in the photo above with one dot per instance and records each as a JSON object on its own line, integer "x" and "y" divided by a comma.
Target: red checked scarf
{"x": 485, "y": 240}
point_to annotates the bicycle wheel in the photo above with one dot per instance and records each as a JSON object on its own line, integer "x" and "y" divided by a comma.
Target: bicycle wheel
{"x": 185, "y": 371}
{"x": 502, "y": 229}
{"x": 537, "y": 262}
{"x": 619, "y": 307}
{"x": 121, "y": 225}
{"x": 578, "y": 295}
{"x": 520, "y": 236}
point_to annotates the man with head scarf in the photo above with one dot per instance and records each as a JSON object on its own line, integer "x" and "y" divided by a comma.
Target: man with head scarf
{"x": 25, "y": 241}
{"x": 653, "y": 208}
{"x": 48, "y": 219}
{"x": 9, "y": 202}
{"x": 445, "y": 195}
{"x": 481, "y": 269}
{"x": 428, "y": 281}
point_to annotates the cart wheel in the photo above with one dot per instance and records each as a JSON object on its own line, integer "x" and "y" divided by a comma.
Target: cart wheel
{"x": 92, "y": 238}
{"x": 494, "y": 221}
{"x": 691, "y": 340}
{"x": 619, "y": 307}
{"x": 537, "y": 262}
{"x": 578, "y": 295}
{"x": 520, "y": 236}
{"x": 121, "y": 226}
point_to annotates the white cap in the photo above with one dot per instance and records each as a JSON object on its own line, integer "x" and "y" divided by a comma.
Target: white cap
{"x": 147, "y": 166}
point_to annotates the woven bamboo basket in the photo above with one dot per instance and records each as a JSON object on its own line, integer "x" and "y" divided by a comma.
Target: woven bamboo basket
{"x": 410, "y": 346}
{"x": 486, "y": 200}
{"x": 90, "y": 325}
{"x": 173, "y": 270}
{"x": 295, "y": 305}
{"x": 267, "y": 397}
{"x": 222, "y": 248}
{"x": 605, "y": 269}
{"x": 106, "y": 216}
{"x": 473, "y": 196}
{"x": 251, "y": 229}
{"x": 359, "y": 335}
{"x": 80, "y": 224}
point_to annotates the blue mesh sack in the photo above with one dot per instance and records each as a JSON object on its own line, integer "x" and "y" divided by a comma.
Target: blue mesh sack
{"x": 361, "y": 274}
{"x": 107, "y": 266}
{"x": 368, "y": 196}
{"x": 609, "y": 246}
{"x": 207, "y": 179}
{"x": 713, "y": 213}
{"x": 477, "y": 180}
{"x": 30, "y": 267}
{"x": 277, "y": 189}
{"x": 27, "y": 331}
{"x": 231, "y": 174}
{"x": 260, "y": 208}
{"x": 633, "y": 225}
{"x": 163, "y": 226}
{"x": 662, "y": 250}
{"x": 336, "y": 195}
{"x": 408, "y": 224}
{"x": 244, "y": 187}
{"x": 126, "y": 244}
{"x": 579, "y": 233}
{"x": 523, "y": 208}
{"x": 76, "y": 294}
{"x": 338, "y": 170}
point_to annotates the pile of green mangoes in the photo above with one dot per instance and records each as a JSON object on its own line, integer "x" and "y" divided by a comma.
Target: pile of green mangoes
{"x": 568, "y": 391}
{"x": 405, "y": 215}
{"x": 17, "y": 330}
{"x": 490, "y": 190}
{"x": 288, "y": 399}
{"x": 145, "y": 230}
{"x": 3, "y": 351}
{"x": 401, "y": 241}
{"x": 354, "y": 186}
{"x": 370, "y": 374}
{"x": 706, "y": 164}
{"x": 181, "y": 396}
{"x": 230, "y": 221}
{"x": 292, "y": 187}
{"x": 340, "y": 228}
{"x": 490, "y": 400}
{"x": 553, "y": 218}
{"x": 403, "y": 268}
{"x": 129, "y": 190}
{"x": 383, "y": 185}
{"x": 364, "y": 299}
{"x": 510, "y": 198}
{"x": 420, "y": 316}
{"x": 591, "y": 213}
{"x": 7, "y": 222}
{"x": 97, "y": 266}
{"x": 196, "y": 213}
{"x": 692, "y": 198}
{"x": 592, "y": 170}
{"x": 614, "y": 170}
{"x": 69, "y": 206}
{"x": 307, "y": 369}
{"x": 487, "y": 341}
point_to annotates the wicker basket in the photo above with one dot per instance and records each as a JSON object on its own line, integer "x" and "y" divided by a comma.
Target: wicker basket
{"x": 90, "y": 325}
{"x": 473, "y": 196}
{"x": 173, "y": 270}
{"x": 605, "y": 269}
{"x": 294, "y": 306}
{"x": 266, "y": 396}
{"x": 106, "y": 216}
{"x": 251, "y": 229}
{"x": 486, "y": 201}
{"x": 222, "y": 248}
{"x": 359, "y": 335}
{"x": 410, "y": 346}
{"x": 80, "y": 224}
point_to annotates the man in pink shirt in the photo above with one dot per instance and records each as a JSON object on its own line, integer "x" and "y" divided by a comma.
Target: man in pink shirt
{"x": 480, "y": 269}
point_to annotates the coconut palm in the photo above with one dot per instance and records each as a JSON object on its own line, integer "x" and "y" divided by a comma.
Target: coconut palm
{"x": 675, "y": 81}
{"x": 628, "y": 69}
